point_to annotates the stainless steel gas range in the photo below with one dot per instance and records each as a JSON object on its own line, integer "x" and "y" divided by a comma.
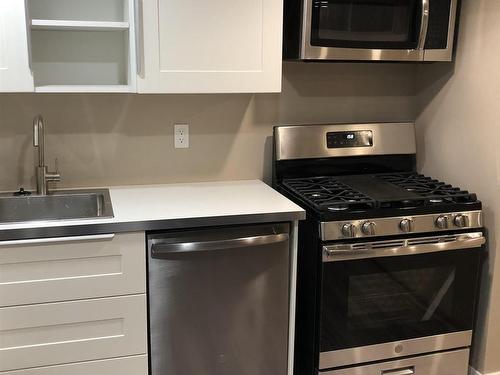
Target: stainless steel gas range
{"x": 389, "y": 260}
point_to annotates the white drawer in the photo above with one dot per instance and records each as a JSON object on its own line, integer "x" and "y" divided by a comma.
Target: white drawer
{"x": 136, "y": 365}
{"x": 70, "y": 268}
{"x": 65, "y": 332}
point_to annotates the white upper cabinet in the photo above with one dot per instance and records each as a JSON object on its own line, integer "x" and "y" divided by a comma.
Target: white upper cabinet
{"x": 83, "y": 45}
{"x": 183, "y": 46}
{"x": 215, "y": 46}
{"x": 15, "y": 73}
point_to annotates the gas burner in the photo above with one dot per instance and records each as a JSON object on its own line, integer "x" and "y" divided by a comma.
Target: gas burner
{"x": 406, "y": 203}
{"x": 436, "y": 200}
{"x": 338, "y": 208}
{"x": 329, "y": 193}
{"x": 431, "y": 191}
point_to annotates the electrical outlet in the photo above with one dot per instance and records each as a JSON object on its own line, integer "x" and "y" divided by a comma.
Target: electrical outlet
{"x": 181, "y": 135}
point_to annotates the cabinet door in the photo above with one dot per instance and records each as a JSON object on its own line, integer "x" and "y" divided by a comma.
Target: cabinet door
{"x": 215, "y": 46}
{"x": 67, "y": 268}
{"x": 15, "y": 72}
{"x": 76, "y": 331}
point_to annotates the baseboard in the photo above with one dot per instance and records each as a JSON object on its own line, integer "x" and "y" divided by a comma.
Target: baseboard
{"x": 473, "y": 371}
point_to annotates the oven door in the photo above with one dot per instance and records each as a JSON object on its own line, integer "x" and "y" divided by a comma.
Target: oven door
{"x": 365, "y": 29}
{"x": 397, "y": 298}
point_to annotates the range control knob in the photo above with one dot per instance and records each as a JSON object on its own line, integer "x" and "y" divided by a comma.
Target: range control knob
{"x": 348, "y": 230}
{"x": 461, "y": 221}
{"x": 368, "y": 228}
{"x": 443, "y": 222}
{"x": 406, "y": 225}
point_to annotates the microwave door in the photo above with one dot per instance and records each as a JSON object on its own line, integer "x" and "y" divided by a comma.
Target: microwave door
{"x": 365, "y": 29}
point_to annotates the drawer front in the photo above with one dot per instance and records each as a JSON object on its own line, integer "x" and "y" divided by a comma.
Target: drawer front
{"x": 446, "y": 363}
{"x": 65, "y": 332}
{"x": 136, "y": 365}
{"x": 70, "y": 268}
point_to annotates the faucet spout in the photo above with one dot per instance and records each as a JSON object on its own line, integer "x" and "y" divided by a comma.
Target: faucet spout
{"x": 39, "y": 139}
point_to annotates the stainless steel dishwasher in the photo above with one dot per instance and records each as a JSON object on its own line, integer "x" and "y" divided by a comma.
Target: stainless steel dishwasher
{"x": 218, "y": 300}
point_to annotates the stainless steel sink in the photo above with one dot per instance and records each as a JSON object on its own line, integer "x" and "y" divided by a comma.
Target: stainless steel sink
{"x": 59, "y": 205}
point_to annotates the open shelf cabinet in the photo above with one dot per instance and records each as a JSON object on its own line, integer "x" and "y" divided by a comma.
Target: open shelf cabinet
{"x": 83, "y": 45}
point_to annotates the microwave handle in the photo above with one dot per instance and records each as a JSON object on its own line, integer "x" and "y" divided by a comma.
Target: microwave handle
{"x": 424, "y": 25}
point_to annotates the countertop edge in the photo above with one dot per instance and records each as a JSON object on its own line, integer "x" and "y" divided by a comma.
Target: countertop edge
{"x": 150, "y": 225}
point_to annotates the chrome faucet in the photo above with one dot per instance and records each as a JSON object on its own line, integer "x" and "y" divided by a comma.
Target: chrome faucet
{"x": 43, "y": 176}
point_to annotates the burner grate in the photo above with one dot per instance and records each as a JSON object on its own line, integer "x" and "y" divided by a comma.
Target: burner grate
{"x": 429, "y": 190}
{"x": 356, "y": 193}
{"x": 328, "y": 192}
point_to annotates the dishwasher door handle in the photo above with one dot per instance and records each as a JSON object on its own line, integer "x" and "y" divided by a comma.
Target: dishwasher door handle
{"x": 160, "y": 249}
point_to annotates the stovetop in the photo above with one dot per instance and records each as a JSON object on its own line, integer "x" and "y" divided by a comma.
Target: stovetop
{"x": 377, "y": 195}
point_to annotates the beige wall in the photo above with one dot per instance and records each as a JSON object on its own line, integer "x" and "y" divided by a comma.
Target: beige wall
{"x": 127, "y": 139}
{"x": 459, "y": 130}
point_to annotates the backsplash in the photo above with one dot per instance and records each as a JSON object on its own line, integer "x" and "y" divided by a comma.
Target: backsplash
{"x": 117, "y": 139}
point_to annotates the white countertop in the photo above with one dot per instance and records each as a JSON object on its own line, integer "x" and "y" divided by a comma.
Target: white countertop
{"x": 150, "y": 203}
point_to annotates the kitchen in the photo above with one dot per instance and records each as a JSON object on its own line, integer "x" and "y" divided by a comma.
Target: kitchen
{"x": 104, "y": 140}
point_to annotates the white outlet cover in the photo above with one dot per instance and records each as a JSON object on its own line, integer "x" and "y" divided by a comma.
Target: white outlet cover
{"x": 181, "y": 135}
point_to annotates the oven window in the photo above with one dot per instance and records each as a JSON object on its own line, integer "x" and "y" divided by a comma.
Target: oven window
{"x": 370, "y": 24}
{"x": 378, "y": 300}
{"x": 407, "y": 297}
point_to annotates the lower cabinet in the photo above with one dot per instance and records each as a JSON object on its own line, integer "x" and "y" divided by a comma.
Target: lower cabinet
{"x": 72, "y": 268}
{"x": 136, "y": 365}
{"x": 75, "y": 331}
{"x": 74, "y": 305}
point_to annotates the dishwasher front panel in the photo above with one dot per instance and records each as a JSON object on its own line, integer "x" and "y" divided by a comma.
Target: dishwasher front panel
{"x": 219, "y": 300}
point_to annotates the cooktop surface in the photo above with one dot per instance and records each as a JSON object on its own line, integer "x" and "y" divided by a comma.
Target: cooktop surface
{"x": 378, "y": 195}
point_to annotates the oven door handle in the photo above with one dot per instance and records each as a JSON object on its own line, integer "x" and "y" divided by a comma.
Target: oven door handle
{"x": 424, "y": 25}
{"x": 411, "y": 246}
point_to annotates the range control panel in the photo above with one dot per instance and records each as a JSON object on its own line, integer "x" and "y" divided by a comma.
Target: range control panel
{"x": 356, "y": 138}
{"x": 391, "y": 226}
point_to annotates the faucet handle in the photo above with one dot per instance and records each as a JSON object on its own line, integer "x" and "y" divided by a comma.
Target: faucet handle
{"x": 54, "y": 176}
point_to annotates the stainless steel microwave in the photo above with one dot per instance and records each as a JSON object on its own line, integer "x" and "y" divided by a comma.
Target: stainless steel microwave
{"x": 370, "y": 30}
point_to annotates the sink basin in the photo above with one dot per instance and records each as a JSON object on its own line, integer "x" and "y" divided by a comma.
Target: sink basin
{"x": 59, "y": 205}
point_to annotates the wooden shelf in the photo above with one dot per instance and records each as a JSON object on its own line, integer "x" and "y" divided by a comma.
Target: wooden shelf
{"x": 83, "y": 88}
{"x": 38, "y": 24}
